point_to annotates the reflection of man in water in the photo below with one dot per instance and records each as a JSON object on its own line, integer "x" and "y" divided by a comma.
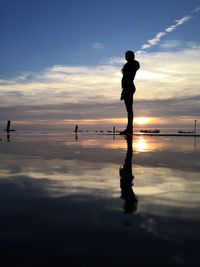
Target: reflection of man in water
{"x": 126, "y": 181}
{"x": 128, "y": 88}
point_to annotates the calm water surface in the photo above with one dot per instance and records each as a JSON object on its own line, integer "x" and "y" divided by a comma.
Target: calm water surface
{"x": 95, "y": 200}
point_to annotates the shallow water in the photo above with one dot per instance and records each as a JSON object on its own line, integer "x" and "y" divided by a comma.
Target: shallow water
{"x": 93, "y": 200}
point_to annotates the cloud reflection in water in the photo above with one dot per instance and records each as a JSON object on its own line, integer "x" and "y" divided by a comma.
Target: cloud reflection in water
{"x": 69, "y": 191}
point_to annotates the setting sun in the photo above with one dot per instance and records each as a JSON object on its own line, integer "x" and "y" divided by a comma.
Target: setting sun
{"x": 142, "y": 120}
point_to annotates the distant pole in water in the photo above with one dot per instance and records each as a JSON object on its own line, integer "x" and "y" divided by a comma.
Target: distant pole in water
{"x": 8, "y": 126}
{"x": 76, "y": 129}
{"x": 114, "y": 130}
{"x": 8, "y": 130}
{"x": 195, "y": 126}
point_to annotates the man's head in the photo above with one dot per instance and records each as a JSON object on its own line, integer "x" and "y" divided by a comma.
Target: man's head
{"x": 129, "y": 55}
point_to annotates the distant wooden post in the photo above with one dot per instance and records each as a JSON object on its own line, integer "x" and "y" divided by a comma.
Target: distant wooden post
{"x": 195, "y": 126}
{"x": 8, "y": 130}
{"x": 8, "y": 126}
{"x": 76, "y": 129}
{"x": 114, "y": 130}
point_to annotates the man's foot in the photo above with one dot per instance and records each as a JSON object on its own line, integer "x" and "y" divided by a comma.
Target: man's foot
{"x": 126, "y": 132}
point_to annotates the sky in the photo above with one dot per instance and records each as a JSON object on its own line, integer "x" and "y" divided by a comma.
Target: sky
{"x": 61, "y": 61}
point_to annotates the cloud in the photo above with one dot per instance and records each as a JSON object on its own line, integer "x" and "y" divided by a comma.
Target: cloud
{"x": 145, "y": 46}
{"x": 162, "y": 74}
{"x": 98, "y": 46}
{"x": 177, "y": 45}
{"x": 178, "y": 23}
{"x": 171, "y": 44}
{"x": 164, "y": 112}
{"x": 197, "y": 9}
{"x": 160, "y": 35}
{"x": 166, "y": 73}
{"x": 166, "y": 108}
{"x": 63, "y": 94}
{"x": 154, "y": 41}
{"x": 63, "y": 83}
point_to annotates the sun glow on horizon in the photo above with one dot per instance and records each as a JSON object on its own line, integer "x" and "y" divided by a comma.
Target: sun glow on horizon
{"x": 142, "y": 120}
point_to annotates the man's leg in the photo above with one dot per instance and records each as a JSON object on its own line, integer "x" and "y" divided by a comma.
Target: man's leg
{"x": 129, "y": 107}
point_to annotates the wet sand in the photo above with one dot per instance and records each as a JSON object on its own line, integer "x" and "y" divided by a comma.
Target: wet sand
{"x": 92, "y": 200}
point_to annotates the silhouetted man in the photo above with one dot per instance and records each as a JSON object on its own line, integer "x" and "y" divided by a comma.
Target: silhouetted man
{"x": 128, "y": 87}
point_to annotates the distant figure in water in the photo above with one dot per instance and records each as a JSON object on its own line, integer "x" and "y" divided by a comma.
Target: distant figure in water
{"x": 128, "y": 88}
